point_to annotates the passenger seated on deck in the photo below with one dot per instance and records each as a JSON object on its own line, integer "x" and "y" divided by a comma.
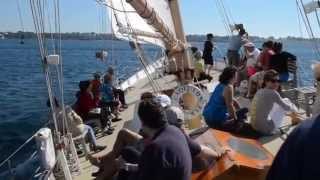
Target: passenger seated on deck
{"x": 265, "y": 55}
{"x": 77, "y": 128}
{"x": 199, "y": 66}
{"x": 108, "y": 99}
{"x": 255, "y": 83}
{"x": 85, "y": 102}
{"x": 268, "y": 108}
{"x": 279, "y": 61}
{"x": 75, "y": 124}
{"x": 119, "y": 94}
{"x": 221, "y": 110}
{"x": 298, "y": 158}
{"x": 249, "y": 64}
{"x": 109, "y": 163}
{"x": 252, "y": 55}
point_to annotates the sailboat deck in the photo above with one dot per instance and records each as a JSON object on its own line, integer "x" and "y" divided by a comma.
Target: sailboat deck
{"x": 272, "y": 144}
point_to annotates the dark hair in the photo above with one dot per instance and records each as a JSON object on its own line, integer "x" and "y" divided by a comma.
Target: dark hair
{"x": 194, "y": 49}
{"x": 268, "y": 44}
{"x": 277, "y": 47}
{"x": 210, "y": 35}
{"x": 151, "y": 114}
{"x": 147, "y": 95}
{"x": 110, "y": 70}
{"x": 96, "y": 75}
{"x": 83, "y": 85}
{"x": 107, "y": 78}
{"x": 227, "y": 74}
{"x": 268, "y": 76}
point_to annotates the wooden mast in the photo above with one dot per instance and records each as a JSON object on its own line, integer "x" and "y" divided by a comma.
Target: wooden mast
{"x": 183, "y": 58}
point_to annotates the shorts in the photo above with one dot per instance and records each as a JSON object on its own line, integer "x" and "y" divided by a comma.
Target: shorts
{"x": 208, "y": 60}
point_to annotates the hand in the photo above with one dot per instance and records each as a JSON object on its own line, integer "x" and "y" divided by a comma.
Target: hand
{"x": 224, "y": 150}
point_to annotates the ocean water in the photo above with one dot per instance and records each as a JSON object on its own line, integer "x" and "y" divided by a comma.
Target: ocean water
{"x": 23, "y": 92}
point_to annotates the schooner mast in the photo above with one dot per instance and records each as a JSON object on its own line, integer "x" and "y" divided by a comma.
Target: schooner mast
{"x": 164, "y": 19}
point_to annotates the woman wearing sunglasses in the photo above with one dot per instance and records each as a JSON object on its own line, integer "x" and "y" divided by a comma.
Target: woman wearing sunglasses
{"x": 268, "y": 108}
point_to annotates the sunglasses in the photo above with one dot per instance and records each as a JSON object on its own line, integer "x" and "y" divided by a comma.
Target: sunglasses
{"x": 275, "y": 80}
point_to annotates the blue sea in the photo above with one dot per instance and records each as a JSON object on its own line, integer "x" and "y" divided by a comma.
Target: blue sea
{"x": 23, "y": 92}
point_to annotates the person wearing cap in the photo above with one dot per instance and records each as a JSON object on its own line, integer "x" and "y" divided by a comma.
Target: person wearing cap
{"x": 252, "y": 54}
{"x": 119, "y": 94}
{"x": 151, "y": 119}
{"x": 174, "y": 115}
{"x": 250, "y": 63}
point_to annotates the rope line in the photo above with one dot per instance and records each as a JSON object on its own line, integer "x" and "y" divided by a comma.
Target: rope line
{"x": 114, "y": 9}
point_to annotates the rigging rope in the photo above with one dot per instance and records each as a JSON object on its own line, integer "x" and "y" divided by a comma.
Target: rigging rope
{"x": 224, "y": 16}
{"x": 134, "y": 38}
{"x": 20, "y": 15}
{"x": 308, "y": 27}
{"x": 38, "y": 14}
{"x": 110, "y": 6}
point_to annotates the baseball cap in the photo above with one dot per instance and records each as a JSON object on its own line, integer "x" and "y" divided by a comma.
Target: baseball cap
{"x": 163, "y": 100}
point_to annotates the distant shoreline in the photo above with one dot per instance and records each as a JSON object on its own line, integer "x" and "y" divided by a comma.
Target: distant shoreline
{"x": 96, "y": 36}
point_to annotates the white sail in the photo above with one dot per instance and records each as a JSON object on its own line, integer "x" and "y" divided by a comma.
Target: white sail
{"x": 128, "y": 23}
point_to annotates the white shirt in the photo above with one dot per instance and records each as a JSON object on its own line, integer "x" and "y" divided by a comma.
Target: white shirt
{"x": 252, "y": 58}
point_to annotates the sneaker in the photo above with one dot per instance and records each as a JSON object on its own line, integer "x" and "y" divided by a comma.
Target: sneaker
{"x": 107, "y": 131}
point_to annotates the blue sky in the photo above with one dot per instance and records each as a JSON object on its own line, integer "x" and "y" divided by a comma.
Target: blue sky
{"x": 261, "y": 17}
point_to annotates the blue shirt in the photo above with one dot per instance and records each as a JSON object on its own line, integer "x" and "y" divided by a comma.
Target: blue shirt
{"x": 298, "y": 158}
{"x": 107, "y": 92}
{"x": 216, "y": 112}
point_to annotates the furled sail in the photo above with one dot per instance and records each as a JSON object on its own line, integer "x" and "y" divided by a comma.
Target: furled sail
{"x": 127, "y": 24}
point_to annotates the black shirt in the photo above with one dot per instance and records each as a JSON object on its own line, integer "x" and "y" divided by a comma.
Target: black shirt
{"x": 279, "y": 62}
{"x": 208, "y": 48}
{"x": 299, "y": 156}
{"x": 168, "y": 156}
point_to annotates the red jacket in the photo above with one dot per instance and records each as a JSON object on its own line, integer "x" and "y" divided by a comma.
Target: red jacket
{"x": 84, "y": 104}
{"x": 96, "y": 85}
{"x": 264, "y": 59}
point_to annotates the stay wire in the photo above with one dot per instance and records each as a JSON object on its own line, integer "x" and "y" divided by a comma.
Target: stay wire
{"x": 134, "y": 39}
